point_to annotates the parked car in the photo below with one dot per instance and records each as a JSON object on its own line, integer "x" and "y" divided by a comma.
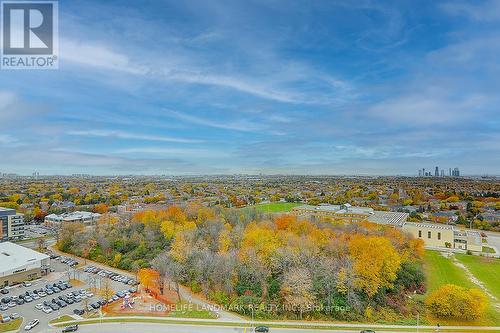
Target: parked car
{"x": 367, "y": 331}
{"x": 14, "y": 316}
{"x": 31, "y": 324}
{"x": 4, "y": 291}
{"x": 71, "y": 328}
{"x": 47, "y": 309}
{"x": 5, "y": 318}
{"x": 78, "y": 312}
{"x": 262, "y": 329}
{"x": 27, "y": 284}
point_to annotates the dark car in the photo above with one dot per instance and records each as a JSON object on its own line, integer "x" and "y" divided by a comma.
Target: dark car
{"x": 4, "y": 291}
{"x": 20, "y": 301}
{"x": 367, "y": 331}
{"x": 54, "y": 306}
{"x": 78, "y": 312}
{"x": 71, "y": 328}
{"x": 262, "y": 329}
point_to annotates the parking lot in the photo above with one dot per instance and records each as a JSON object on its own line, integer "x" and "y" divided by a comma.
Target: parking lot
{"x": 54, "y": 295}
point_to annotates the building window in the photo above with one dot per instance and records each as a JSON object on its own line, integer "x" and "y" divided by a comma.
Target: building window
{"x": 428, "y": 234}
{"x": 420, "y": 233}
{"x": 439, "y": 236}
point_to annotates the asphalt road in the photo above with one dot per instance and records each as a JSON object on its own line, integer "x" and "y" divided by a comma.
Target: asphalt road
{"x": 175, "y": 328}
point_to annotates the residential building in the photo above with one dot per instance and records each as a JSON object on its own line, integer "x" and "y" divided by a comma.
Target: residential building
{"x": 11, "y": 225}
{"x": 18, "y": 264}
{"x": 83, "y": 217}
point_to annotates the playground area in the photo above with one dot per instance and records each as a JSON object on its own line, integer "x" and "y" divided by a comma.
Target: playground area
{"x": 141, "y": 303}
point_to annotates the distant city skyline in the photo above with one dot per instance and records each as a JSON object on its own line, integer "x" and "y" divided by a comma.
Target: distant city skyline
{"x": 250, "y": 87}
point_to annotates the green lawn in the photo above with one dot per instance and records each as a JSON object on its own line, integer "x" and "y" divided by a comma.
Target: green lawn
{"x": 183, "y": 310}
{"x": 61, "y": 319}
{"x": 11, "y": 326}
{"x": 485, "y": 269}
{"x": 277, "y": 207}
{"x": 440, "y": 270}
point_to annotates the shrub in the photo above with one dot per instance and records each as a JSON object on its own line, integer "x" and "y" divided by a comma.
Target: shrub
{"x": 452, "y": 301}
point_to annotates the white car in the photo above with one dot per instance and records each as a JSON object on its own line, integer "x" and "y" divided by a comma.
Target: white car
{"x": 39, "y": 306}
{"x": 31, "y": 324}
{"x": 27, "y": 284}
{"x": 89, "y": 294}
{"x": 14, "y": 316}
{"x": 47, "y": 310}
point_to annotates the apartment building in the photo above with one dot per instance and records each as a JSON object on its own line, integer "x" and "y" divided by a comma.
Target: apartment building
{"x": 11, "y": 225}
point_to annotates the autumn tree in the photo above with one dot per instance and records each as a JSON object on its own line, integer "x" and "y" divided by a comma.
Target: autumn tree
{"x": 296, "y": 291}
{"x": 376, "y": 263}
{"x": 452, "y": 301}
{"x": 148, "y": 278}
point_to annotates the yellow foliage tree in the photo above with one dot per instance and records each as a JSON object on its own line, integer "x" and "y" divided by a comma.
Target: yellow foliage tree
{"x": 452, "y": 301}
{"x": 376, "y": 263}
{"x": 148, "y": 278}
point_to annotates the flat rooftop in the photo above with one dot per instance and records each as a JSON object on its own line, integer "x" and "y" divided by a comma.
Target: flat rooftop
{"x": 13, "y": 256}
{"x": 375, "y": 216}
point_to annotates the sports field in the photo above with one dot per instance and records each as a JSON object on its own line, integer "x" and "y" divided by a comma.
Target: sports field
{"x": 277, "y": 207}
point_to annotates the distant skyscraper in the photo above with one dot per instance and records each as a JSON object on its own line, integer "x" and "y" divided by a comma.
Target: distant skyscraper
{"x": 423, "y": 172}
{"x": 436, "y": 172}
{"x": 442, "y": 173}
{"x": 449, "y": 172}
{"x": 420, "y": 173}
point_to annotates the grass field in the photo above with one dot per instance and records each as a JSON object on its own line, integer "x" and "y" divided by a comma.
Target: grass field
{"x": 277, "y": 207}
{"x": 61, "y": 319}
{"x": 485, "y": 269}
{"x": 184, "y": 310}
{"x": 440, "y": 270}
{"x": 11, "y": 326}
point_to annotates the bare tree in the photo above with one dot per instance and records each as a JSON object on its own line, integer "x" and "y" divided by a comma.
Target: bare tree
{"x": 170, "y": 270}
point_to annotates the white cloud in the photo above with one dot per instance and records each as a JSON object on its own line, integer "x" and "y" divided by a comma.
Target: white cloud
{"x": 479, "y": 11}
{"x": 276, "y": 85}
{"x": 6, "y": 139}
{"x": 128, "y": 135}
{"x": 429, "y": 107}
{"x": 97, "y": 55}
{"x": 7, "y": 98}
{"x": 242, "y": 125}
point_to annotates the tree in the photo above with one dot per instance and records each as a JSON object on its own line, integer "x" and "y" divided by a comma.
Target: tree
{"x": 376, "y": 263}
{"x": 170, "y": 270}
{"x": 452, "y": 301}
{"x": 148, "y": 278}
{"x": 296, "y": 291}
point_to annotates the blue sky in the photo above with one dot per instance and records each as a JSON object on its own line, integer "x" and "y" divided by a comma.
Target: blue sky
{"x": 296, "y": 87}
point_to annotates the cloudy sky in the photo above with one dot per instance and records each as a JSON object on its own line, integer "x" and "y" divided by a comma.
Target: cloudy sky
{"x": 267, "y": 86}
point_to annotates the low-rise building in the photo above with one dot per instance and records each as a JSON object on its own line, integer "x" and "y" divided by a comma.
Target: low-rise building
{"x": 351, "y": 214}
{"x": 435, "y": 235}
{"x": 11, "y": 225}
{"x": 18, "y": 264}
{"x": 83, "y": 217}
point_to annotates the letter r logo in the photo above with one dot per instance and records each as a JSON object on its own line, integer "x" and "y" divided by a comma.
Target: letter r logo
{"x": 27, "y": 27}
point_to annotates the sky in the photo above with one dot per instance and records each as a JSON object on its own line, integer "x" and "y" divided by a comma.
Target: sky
{"x": 254, "y": 86}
